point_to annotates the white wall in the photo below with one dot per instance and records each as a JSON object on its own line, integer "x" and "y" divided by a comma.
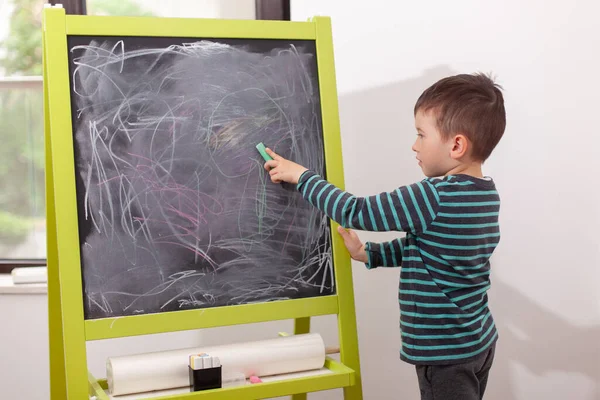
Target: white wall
{"x": 23, "y": 339}
{"x": 546, "y": 272}
{"x": 231, "y": 9}
{"x": 546, "y": 279}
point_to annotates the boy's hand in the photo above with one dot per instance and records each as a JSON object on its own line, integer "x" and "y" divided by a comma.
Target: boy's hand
{"x": 355, "y": 247}
{"x": 282, "y": 170}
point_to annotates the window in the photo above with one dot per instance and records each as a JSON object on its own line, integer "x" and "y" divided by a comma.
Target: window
{"x": 22, "y": 211}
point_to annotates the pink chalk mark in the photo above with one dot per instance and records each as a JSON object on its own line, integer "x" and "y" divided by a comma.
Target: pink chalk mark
{"x": 186, "y": 216}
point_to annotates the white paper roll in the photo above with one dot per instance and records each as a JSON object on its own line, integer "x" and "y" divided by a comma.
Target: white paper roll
{"x": 169, "y": 369}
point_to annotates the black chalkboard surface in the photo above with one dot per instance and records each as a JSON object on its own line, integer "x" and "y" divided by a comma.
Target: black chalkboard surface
{"x": 175, "y": 209}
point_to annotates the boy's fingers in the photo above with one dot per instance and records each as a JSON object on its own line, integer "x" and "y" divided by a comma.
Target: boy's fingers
{"x": 275, "y": 176}
{"x": 270, "y": 164}
{"x": 342, "y": 231}
{"x": 347, "y": 234}
{"x": 275, "y": 156}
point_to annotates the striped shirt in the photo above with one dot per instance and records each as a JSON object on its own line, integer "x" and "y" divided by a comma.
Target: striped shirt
{"x": 452, "y": 228}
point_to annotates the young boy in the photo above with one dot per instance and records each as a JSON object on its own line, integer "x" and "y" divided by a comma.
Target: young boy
{"x": 451, "y": 225}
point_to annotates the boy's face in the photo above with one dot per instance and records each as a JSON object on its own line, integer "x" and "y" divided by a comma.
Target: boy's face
{"x": 432, "y": 151}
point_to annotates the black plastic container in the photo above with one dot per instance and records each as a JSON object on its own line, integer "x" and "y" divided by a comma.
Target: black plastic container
{"x": 205, "y": 379}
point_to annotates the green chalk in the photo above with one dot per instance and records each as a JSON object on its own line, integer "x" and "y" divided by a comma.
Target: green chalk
{"x": 263, "y": 152}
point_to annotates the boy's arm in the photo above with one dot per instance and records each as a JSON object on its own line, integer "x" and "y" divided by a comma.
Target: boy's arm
{"x": 409, "y": 208}
{"x": 387, "y": 254}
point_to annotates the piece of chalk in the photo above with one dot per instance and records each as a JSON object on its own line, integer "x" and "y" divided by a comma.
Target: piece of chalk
{"x": 201, "y": 361}
{"x": 263, "y": 151}
{"x": 255, "y": 379}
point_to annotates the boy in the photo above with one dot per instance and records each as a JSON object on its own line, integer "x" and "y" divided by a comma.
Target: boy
{"x": 451, "y": 225}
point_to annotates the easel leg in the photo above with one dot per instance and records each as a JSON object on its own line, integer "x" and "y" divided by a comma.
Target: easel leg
{"x": 58, "y": 390}
{"x": 348, "y": 336}
{"x": 349, "y": 355}
{"x": 58, "y": 384}
{"x": 301, "y": 325}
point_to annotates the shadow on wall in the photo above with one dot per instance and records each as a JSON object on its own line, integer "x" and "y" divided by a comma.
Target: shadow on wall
{"x": 377, "y": 128}
{"x": 543, "y": 343}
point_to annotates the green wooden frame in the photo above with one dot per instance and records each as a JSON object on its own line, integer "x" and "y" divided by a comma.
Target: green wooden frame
{"x": 68, "y": 330}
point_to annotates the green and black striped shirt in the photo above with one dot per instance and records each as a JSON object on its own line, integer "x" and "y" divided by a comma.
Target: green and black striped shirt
{"x": 452, "y": 228}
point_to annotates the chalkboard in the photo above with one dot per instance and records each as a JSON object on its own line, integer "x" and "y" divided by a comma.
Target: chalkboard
{"x": 175, "y": 209}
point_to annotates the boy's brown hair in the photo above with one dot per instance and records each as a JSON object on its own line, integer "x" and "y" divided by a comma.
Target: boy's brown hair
{"x": 469, "y": 104}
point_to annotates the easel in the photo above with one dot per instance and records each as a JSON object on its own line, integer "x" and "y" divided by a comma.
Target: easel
{"x": 68, "y": 330}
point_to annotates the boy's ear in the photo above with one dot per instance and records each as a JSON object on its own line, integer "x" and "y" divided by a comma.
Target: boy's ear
{"x": 460, "y": 146}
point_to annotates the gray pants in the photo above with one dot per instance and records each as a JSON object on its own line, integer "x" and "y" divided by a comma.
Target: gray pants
{"x": 457, "y": 381}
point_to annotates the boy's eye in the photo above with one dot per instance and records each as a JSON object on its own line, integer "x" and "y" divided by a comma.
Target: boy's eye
{"x": 420, "y": 135}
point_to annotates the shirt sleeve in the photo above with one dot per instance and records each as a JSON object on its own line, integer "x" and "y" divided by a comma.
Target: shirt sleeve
{"x": 387, "y": 254}
{"x": 408, "y": 208}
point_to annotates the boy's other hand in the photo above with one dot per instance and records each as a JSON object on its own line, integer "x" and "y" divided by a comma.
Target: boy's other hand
{"x": 355, "y": 247}
{"x": 282, "y": 170}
